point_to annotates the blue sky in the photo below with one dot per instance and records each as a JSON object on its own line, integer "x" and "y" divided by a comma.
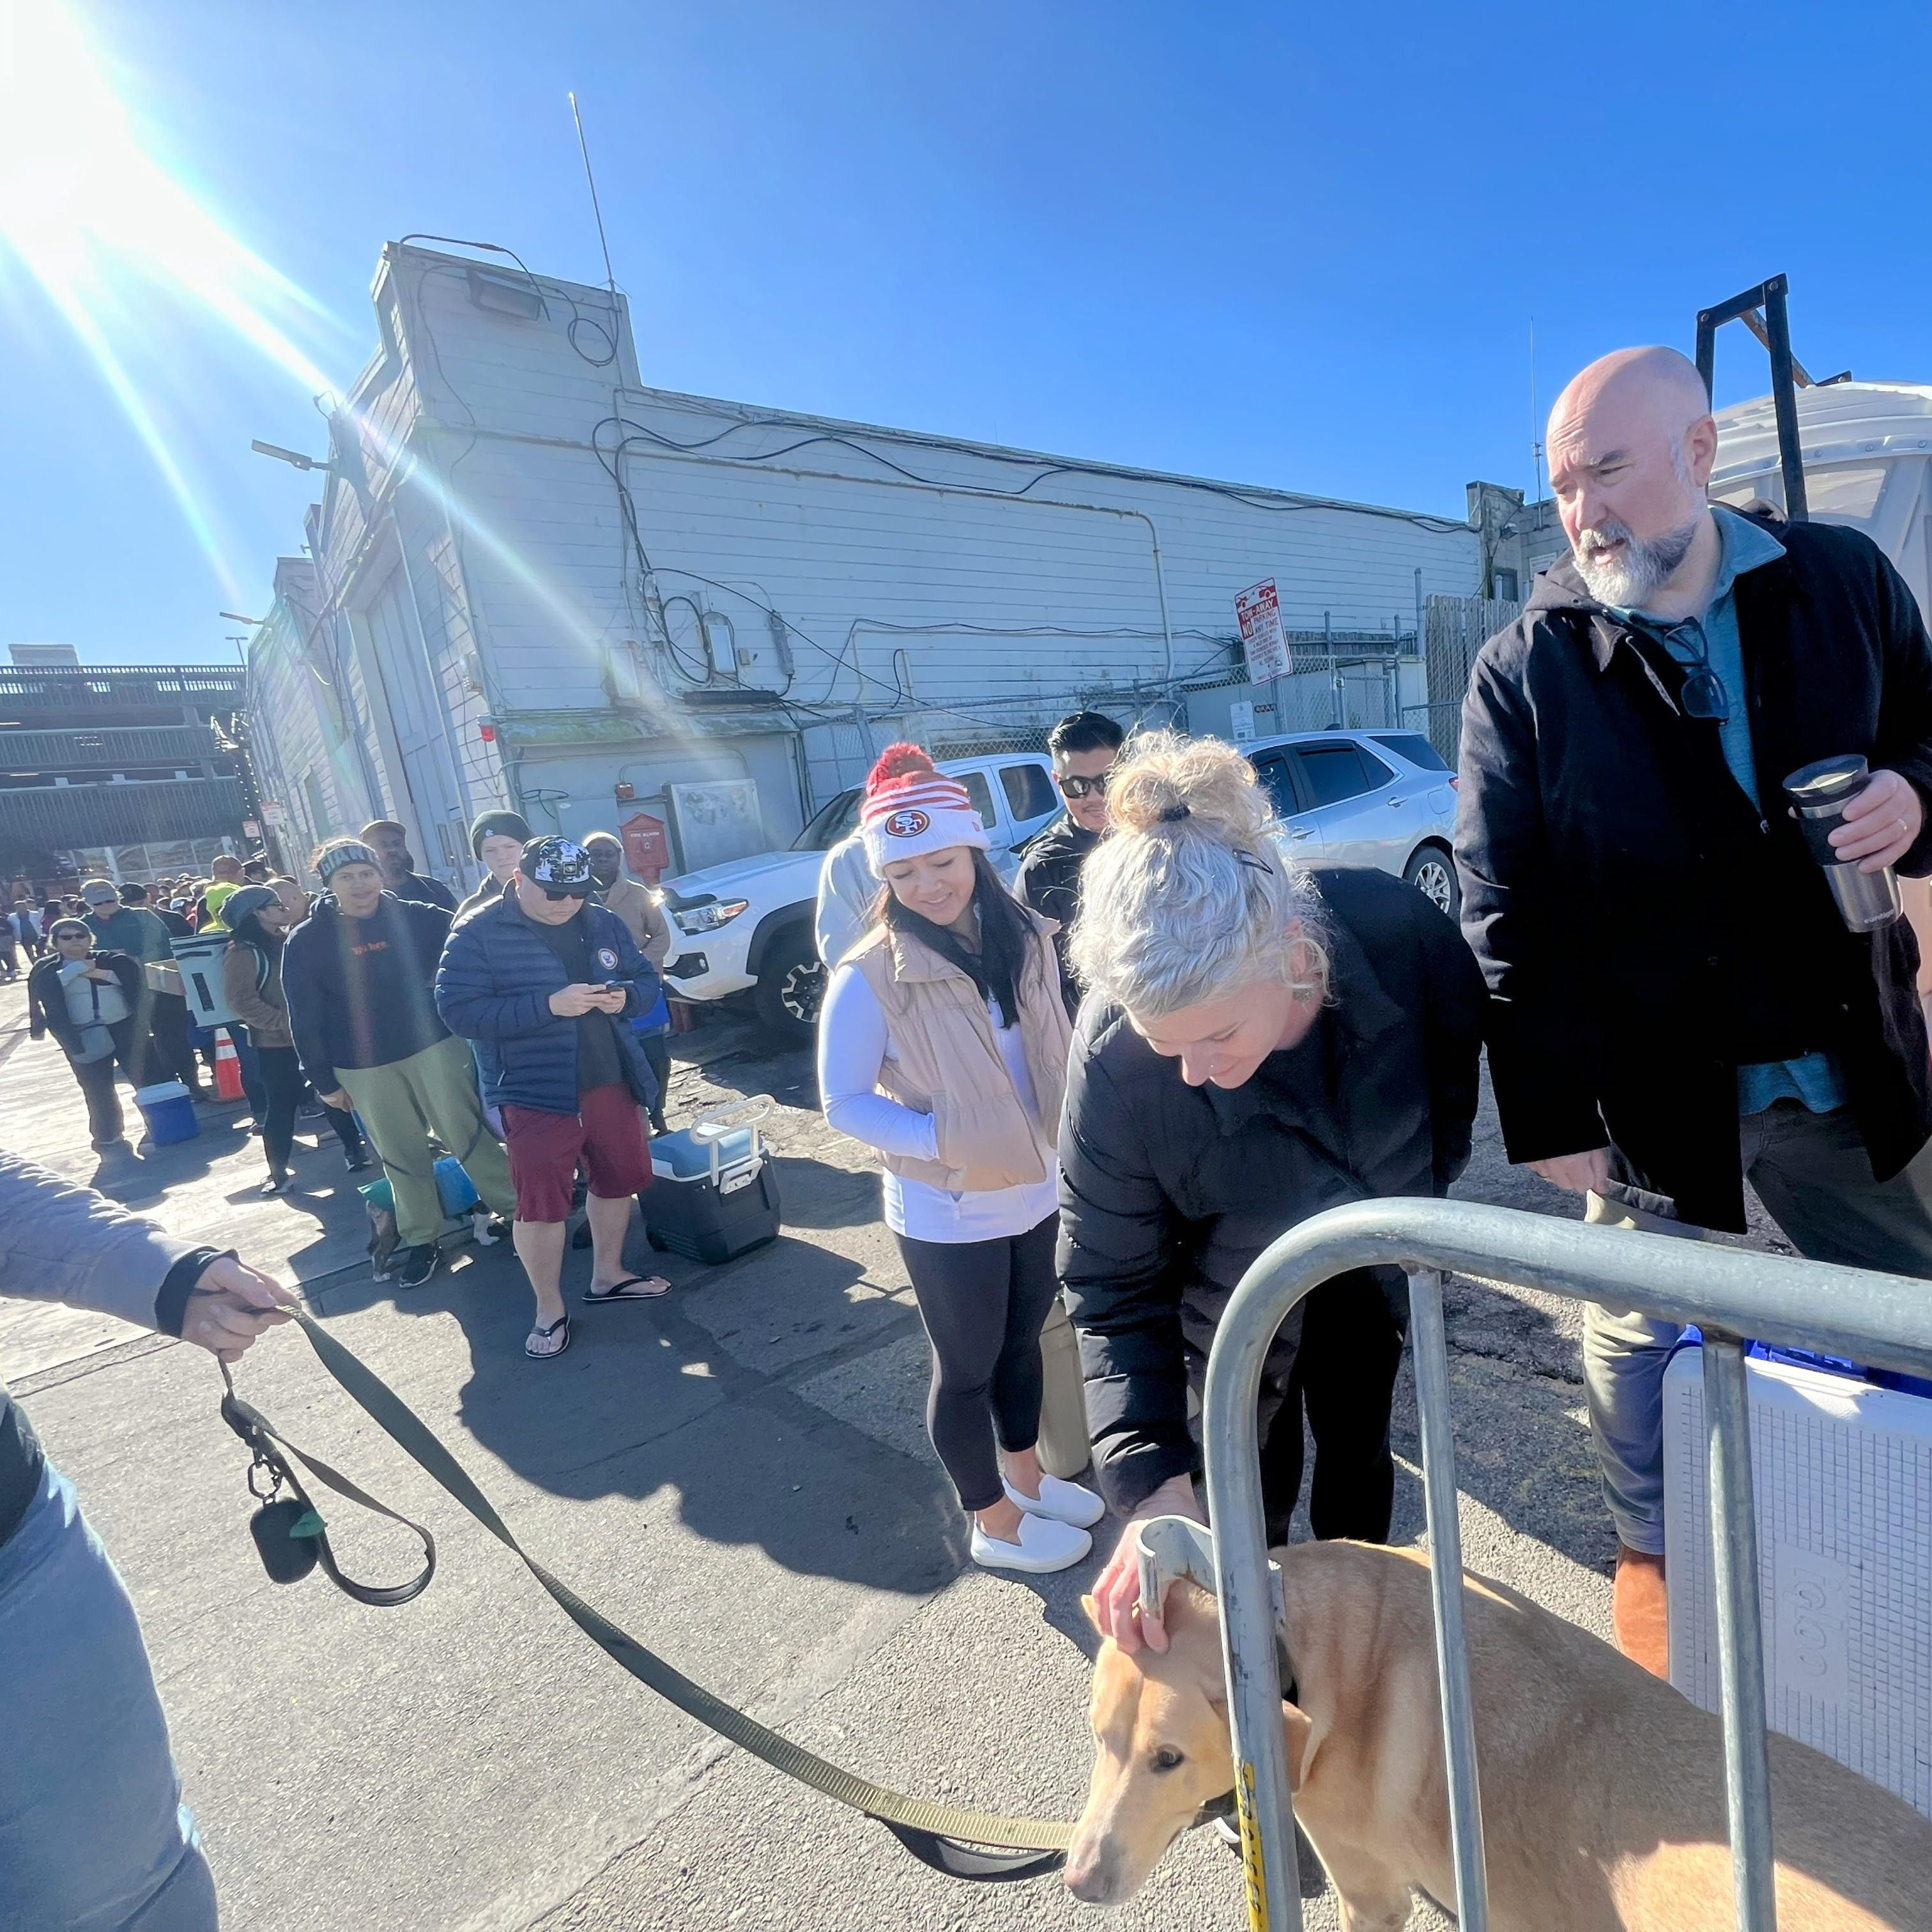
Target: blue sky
{"x": 1299, "y": 246}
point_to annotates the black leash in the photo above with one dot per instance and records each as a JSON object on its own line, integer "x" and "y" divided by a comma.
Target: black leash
{"x": 293, "y": 1541}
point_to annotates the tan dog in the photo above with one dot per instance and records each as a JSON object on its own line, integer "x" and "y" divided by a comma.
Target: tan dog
{"x": 1603, "y": 1789}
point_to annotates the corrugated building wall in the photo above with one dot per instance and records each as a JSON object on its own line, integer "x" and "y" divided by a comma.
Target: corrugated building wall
{"x": 549, "y": 579}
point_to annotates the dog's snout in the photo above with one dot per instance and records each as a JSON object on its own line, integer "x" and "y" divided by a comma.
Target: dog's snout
{"x": 1090, "y": 1874}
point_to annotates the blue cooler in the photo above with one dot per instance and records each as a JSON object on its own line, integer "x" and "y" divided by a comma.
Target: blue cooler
{"x": 168, "y": 1110}
{"x": 714, "y": 1194}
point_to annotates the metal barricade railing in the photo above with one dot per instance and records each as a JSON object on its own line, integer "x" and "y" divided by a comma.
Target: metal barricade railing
{"x": 1883, "y": 1320}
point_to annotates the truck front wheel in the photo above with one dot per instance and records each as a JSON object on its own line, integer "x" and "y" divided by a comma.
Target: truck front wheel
{"x": 791, "y": 988}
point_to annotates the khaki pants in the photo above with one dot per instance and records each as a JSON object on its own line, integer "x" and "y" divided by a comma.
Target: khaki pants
{"x": 403, "y": 1102}
{"x": 1065, "y": 1446}
{"x": 1812, "y": 1172}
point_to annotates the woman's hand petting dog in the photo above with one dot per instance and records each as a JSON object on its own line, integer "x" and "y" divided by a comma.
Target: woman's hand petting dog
{"x": 1117, "y": 1609}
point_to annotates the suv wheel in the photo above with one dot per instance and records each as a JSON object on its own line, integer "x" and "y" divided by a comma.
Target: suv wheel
{"x": 1432, "y": 873}
{"x": 791, "y": 985}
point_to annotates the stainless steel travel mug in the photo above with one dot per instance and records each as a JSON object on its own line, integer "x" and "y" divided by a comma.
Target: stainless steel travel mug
{"x": 1819, "y": 793}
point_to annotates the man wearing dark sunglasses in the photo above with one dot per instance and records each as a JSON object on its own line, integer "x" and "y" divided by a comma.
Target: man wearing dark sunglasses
{"x": 1677, "y": 1005}
{"x": 543, "y": 981}
{"x": 1084, "y": 747}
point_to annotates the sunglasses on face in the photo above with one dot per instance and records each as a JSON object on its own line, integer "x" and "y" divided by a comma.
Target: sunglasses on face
{"x": 553, "y": 893}
{"x": 1080, "y": 788}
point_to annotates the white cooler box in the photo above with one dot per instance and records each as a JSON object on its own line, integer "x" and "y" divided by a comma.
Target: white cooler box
{"x": 1844, "y": 1478}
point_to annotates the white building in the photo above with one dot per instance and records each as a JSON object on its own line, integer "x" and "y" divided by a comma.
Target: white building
{"x": 536, "y": 581}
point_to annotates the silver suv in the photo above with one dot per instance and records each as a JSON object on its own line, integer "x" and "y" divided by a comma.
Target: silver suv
{"x": 1365, "y": 798}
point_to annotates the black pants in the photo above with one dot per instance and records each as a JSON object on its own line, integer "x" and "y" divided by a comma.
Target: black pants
{"x": 983, "y": 1303}
{"x": 280, "y": 1072}
{"x": 167, "y": 1027}
{"x": 1341, "y": 1377}
{"x": 9, "y": 956}
{"x": 346, "y": 1131}
{"x": 657, "y": 1057}
{"x": 96, "y": 1078}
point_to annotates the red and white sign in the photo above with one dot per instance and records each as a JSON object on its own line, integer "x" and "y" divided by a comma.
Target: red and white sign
{"x": 1258, "y": 611}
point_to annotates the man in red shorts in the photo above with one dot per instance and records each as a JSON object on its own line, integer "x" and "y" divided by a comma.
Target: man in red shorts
{"x": 542, "y": 982}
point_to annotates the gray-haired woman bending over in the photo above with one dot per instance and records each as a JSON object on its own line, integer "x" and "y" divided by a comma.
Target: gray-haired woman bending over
{"x": 1258, "y": 1042}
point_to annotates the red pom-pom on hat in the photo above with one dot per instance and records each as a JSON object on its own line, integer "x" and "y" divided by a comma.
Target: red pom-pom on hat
{"x": 895, "y": 761}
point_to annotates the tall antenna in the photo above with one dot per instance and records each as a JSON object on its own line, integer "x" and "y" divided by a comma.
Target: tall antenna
{"x": 1535, "y": 415}
{"x": 584, "y": 148}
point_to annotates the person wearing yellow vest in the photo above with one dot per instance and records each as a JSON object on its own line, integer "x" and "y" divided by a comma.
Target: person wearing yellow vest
{"x": 943, "y": 1044}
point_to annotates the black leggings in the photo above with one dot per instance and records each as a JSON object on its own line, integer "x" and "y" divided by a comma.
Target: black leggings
{"x": 983, "y": 1303}
{"x": 281, "y": 1077}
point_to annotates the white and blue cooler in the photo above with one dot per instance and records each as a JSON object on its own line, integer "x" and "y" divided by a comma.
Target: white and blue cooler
{"x": 714, "y": 1194}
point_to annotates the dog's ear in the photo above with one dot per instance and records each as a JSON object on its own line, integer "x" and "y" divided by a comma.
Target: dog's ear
{"x": 1300, "y": 1729}
{"x": 1087, "y": 1604}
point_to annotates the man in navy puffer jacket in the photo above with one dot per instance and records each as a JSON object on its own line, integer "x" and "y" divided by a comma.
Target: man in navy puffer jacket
{"x": 544, "y": 984}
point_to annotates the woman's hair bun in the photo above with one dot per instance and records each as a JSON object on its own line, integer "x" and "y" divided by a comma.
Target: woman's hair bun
{"x": 895, "y": 760}
{"x": 1172, "y": 785}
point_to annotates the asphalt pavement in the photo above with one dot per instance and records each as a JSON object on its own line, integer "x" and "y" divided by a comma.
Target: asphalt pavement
{"x": 738, "y": 1473}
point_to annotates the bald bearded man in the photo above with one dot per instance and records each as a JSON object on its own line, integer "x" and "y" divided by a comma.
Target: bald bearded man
{"x": 1675, "y": 1003}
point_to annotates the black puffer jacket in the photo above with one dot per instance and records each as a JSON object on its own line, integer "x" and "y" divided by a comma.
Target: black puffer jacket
{"x": 1644, "y": 929}
{"x": 1168, "y": 1192}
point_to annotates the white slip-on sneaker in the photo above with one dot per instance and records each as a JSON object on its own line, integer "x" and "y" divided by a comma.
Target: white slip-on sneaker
{"x": 1064, "y": 1501}
{"x": 1044, "y": 1543}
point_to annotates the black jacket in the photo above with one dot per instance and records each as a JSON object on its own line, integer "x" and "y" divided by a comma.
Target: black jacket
{"x": 359, "y": 990}
{"x": 1644, "y": 931}
{"x": 1168, "y": 1192}
{"x": 425, "y": 892}
{"x": 1049, "y": 882}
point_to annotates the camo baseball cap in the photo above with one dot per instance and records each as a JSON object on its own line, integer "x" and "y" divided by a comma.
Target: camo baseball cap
{"x": 560, "y": 865}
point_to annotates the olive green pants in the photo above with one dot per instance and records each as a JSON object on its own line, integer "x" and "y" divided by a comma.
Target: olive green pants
{"x": 402, "y": 1104}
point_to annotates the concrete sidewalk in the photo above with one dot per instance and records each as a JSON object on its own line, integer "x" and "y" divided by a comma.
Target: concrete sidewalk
{"x": 738, "y": 1473}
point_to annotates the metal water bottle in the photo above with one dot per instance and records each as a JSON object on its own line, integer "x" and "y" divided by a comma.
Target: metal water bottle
{"x": 1819, "y": 794}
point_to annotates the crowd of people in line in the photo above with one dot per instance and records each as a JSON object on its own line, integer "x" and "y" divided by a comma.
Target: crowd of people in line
{"x": 521, "y": 1033}
{"x": 1101, "y": 1094}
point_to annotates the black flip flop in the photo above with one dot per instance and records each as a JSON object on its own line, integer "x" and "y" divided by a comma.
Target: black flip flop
{"x": 632, "y": 1288}
{"x": 546, "y": 1331}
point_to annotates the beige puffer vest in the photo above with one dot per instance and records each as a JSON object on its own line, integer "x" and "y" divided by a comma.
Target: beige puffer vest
{"x": 949, "y": 1064}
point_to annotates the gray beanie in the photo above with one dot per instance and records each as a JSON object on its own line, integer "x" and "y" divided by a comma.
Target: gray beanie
{"x": 499, "y": 824}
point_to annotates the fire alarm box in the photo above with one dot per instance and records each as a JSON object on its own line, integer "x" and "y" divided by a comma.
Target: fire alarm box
{"x": 646, "y": 849}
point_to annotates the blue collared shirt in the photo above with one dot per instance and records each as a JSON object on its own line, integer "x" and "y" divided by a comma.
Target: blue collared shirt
{"x": 1816, "y": 1079}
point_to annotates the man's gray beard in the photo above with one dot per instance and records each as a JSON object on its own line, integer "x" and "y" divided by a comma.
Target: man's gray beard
{"x": 1628, "y": 581}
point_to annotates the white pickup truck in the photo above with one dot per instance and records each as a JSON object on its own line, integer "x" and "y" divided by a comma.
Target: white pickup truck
{"x": 746, "y": 926}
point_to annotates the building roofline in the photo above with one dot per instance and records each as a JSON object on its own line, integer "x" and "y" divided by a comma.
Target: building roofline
{"x": 751, "y": 414}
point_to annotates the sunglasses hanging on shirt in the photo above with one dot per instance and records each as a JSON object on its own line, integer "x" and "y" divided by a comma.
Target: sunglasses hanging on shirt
{"x": 1703, "y": 696}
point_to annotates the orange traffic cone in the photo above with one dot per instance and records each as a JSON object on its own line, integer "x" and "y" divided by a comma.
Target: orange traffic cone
{"x": 227, "y": 1066}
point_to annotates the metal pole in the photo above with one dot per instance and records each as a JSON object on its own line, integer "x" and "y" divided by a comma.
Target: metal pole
{"x": 1784, "y": 401}
{"x": 1740, "y": 1630}
{"x": 1430, "y": 1346}
{"x": 1230, "y": 1443}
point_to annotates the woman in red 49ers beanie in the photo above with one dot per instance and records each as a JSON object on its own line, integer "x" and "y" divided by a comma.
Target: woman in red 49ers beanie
{"x": 942, "y": 1045}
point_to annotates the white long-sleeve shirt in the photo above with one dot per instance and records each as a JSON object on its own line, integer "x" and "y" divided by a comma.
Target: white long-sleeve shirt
{"x": 854, "y": 1043}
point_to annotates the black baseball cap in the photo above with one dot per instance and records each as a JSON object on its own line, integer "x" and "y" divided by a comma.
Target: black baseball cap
{"x": 560, "y": 866}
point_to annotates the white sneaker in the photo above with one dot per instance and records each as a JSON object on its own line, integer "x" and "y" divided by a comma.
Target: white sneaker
{"x": 1065, "y": 1502}
{"x": 1044, "y": 1544}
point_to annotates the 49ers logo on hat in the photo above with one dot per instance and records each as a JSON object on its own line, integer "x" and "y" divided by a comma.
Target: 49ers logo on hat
{"x": 908, "y": 822}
